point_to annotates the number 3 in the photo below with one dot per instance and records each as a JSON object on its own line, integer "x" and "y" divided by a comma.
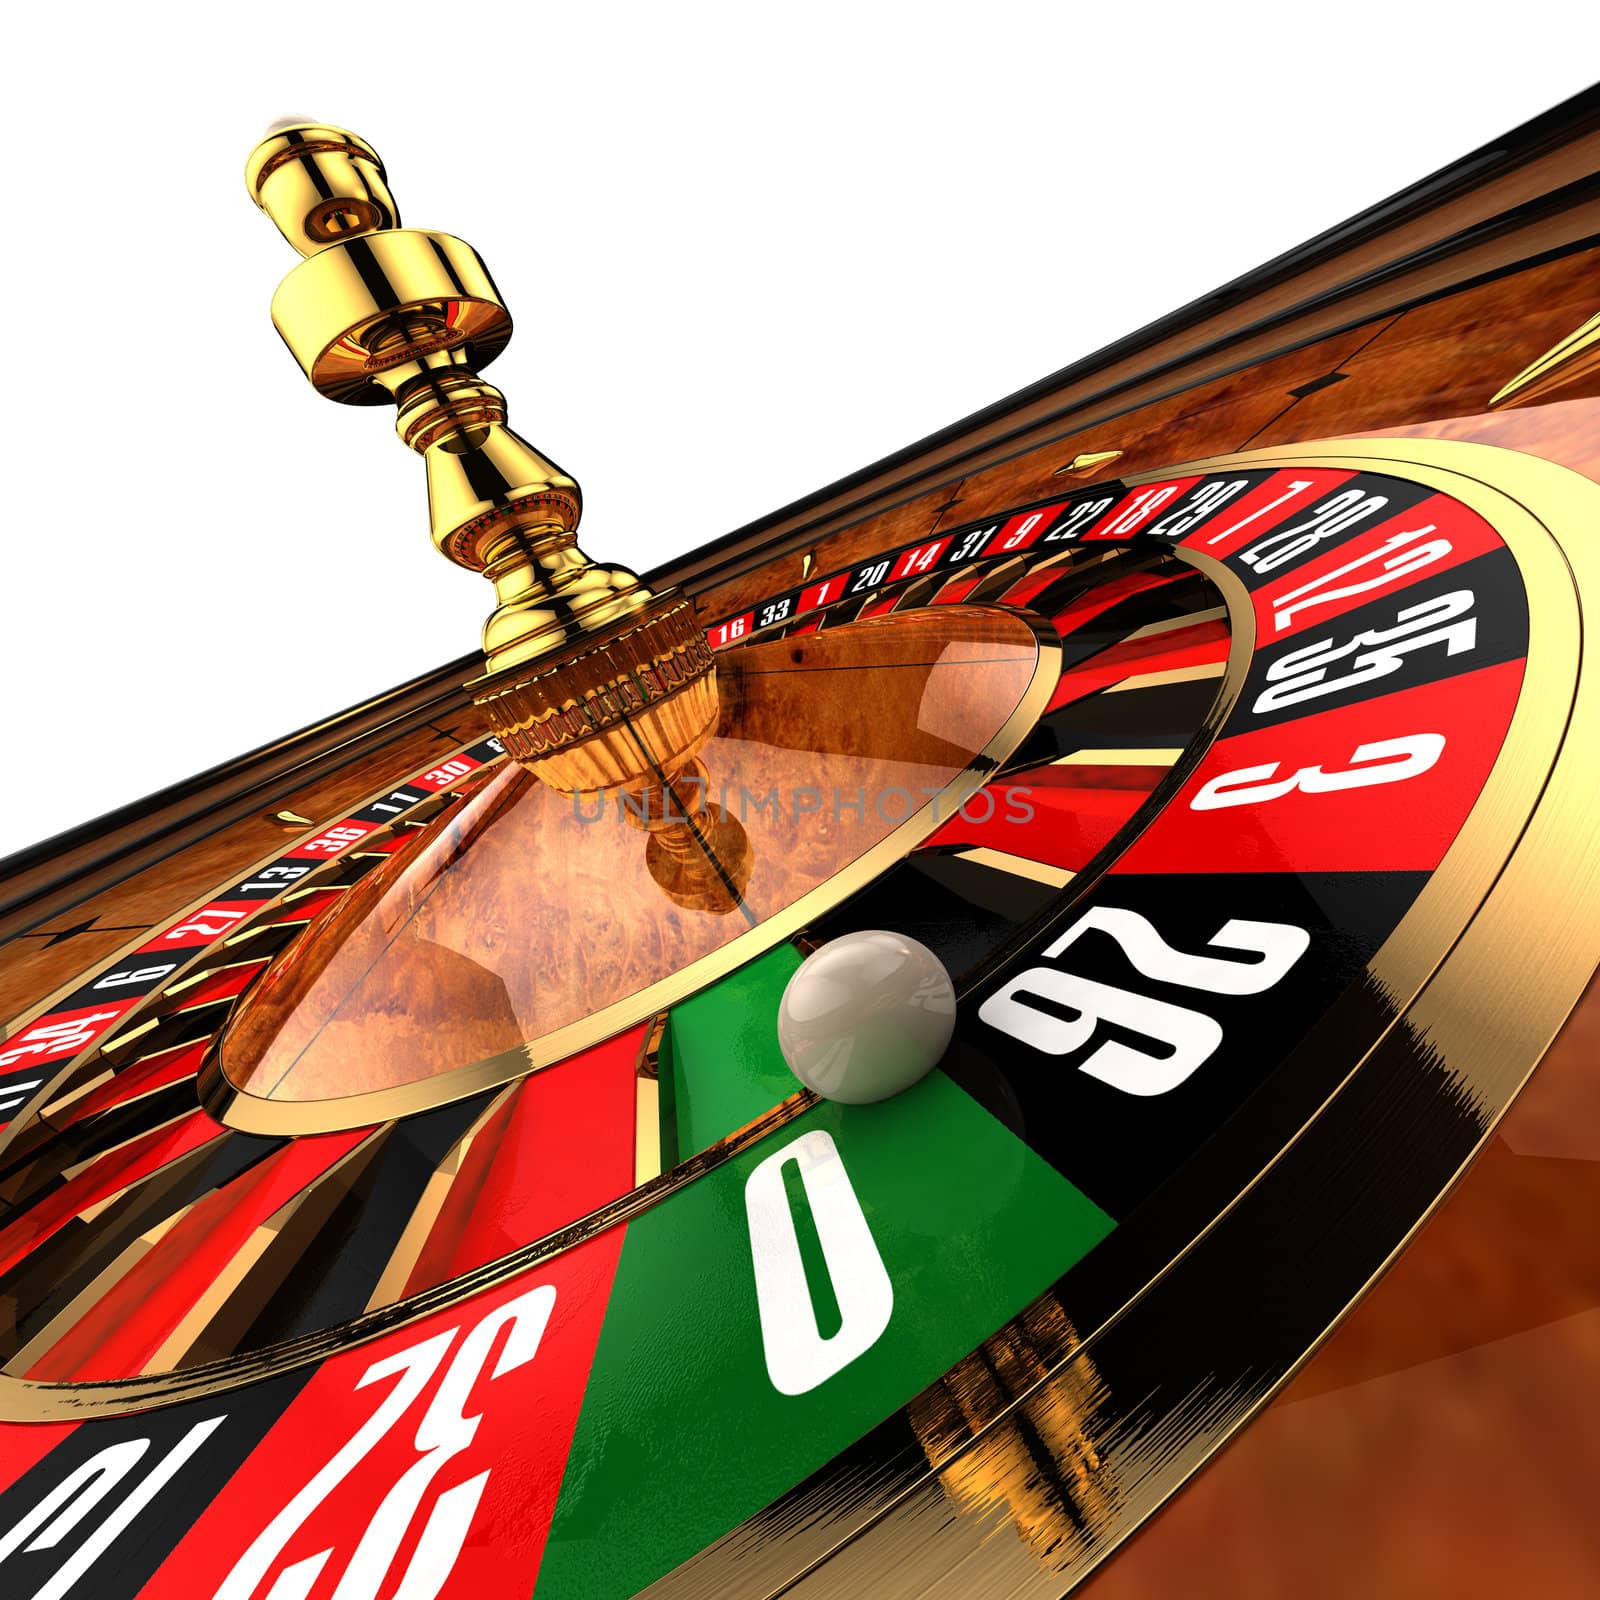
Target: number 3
{"x": 1384, "y": 761}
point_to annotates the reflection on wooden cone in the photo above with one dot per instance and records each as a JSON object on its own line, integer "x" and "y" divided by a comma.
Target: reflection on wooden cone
{"x": 699, "y": 854}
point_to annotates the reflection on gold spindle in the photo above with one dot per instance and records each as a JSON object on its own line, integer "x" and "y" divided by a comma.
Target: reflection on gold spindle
{"x": 699, "y": 855}
{"x": 1039, "y": 1465}
{"x": 592, "y": 680}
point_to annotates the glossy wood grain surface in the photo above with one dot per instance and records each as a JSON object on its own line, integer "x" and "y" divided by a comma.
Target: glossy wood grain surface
{"x": 1442, "y": 1442}
{"x": 1414, "y": 368}
{"x": 528, "y": 911}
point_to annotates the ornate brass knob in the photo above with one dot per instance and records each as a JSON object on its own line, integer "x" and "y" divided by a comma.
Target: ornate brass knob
{"x": 591, "y": 679}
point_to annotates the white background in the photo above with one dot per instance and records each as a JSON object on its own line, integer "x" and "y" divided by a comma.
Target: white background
{"x": 748, "y": 248}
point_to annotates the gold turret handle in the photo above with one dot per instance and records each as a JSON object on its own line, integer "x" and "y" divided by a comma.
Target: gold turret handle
{"x": 591, "y": 679}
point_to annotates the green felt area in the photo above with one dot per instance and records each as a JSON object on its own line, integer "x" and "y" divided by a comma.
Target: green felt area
{"x": 719, "y": 1065}
{"x": 684, "y": 1433}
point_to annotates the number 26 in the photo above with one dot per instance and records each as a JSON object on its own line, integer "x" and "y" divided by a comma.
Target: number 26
{"x": 1191, "y": 1037}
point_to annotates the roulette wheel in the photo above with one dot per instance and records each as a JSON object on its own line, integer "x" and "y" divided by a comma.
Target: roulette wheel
{"x": 1160, "y": 811}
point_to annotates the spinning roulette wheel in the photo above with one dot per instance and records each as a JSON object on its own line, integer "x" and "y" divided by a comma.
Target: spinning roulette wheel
{"x": 1160, "y": 809}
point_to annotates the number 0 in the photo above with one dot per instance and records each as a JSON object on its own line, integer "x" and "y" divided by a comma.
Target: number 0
{"x": 798, "y": 1356}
